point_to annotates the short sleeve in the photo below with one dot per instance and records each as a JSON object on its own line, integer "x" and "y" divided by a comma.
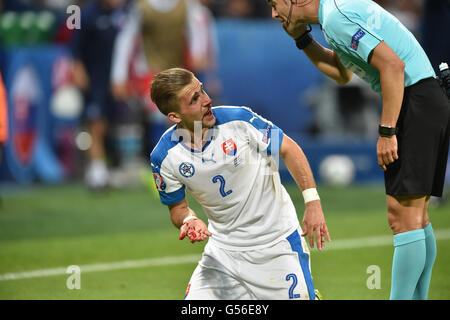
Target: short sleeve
{"x": 171, "y": 191}
{"x": 267, "y": 136}
{"x": 351, "y": 30}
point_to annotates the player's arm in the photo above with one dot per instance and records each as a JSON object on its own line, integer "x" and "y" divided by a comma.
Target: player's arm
{"x": 185, "y": 219}
{"x": 298, "y": 166}
{"x": 326, "y": 60}
{"x": 392, "y": 73}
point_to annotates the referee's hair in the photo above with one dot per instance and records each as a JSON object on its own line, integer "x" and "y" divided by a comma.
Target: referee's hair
{"x": 165, "y": 87}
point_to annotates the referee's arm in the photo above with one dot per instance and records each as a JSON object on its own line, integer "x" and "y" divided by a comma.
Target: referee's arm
{"x": 328, "y": 62}
{"x": 392, "y": 75}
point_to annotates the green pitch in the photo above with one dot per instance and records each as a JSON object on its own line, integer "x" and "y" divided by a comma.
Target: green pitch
{"x": 127, "y": 247}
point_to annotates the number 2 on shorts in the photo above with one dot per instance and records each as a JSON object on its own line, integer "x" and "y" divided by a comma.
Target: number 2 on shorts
{"x": 294, "y": 284}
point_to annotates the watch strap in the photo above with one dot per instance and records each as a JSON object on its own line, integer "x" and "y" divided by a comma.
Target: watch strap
{"x": 386, "y": 131}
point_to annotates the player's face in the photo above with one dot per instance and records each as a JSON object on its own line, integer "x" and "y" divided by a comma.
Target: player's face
{"x": 195, "y": 107}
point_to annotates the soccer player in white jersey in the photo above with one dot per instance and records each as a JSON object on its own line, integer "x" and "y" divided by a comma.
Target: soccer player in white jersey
{"x": 227, "y": 158}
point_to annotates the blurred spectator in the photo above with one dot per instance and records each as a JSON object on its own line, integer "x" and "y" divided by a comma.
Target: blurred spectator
{"x": 160, "y": 34}
{"x": 240, "y": 8}
{"x": 152, "y": 39}
{"x": 203, "y": 46}
{"x": 92, "y": 48}
{"x": 350, "y": 111}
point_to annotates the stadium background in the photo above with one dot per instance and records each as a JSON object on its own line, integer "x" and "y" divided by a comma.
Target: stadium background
{"x": 123, "y": 239}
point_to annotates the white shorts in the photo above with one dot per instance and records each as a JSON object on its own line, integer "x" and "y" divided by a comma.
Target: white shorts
{"x": 279, "y": 272}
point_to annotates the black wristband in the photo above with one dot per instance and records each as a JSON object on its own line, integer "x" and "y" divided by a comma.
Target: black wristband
{"x": 305, "y": 39}
{"x": 385, "y": 131}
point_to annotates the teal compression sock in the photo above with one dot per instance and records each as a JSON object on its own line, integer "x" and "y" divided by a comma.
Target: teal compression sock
{"x": 408, "y": 263}
{"x": 421, "y": 292}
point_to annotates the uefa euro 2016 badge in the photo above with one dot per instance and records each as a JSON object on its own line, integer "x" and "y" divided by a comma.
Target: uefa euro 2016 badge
{"x": 186, "y": 169}
{"x": 229, "y": 147}
{"x": 160, "y": 184}
{"x": 355, "y": 39}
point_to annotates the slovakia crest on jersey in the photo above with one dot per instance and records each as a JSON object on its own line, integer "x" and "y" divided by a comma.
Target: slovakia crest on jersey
{"x": 229, "y": 147}
{"x": 186, "y": 169}
{"x": 160, "y": 184}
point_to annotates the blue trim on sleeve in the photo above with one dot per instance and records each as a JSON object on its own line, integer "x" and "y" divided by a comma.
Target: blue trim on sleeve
{"x": 157, "y": 157}
{"x": 280, "y": 141}
{"x": 296, "y": 245}
{"x": 173, "y": 197}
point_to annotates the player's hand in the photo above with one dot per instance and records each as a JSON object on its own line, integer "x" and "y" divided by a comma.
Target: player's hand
{"x": 314, "y": 224}
{"x": 387, "y": 151}
{"x": 195, "y": 229}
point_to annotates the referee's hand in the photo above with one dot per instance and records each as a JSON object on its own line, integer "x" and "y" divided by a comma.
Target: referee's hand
{"x": 295, "y": 29}
{"x": 387, "y": 151}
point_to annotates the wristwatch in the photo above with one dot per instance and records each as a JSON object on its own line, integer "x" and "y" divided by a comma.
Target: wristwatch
{"x": 386, "y": 131}
{"x": 305, "y": 39}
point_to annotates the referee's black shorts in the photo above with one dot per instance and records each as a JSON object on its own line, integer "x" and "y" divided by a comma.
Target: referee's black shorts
{"x": 423, "y": 142}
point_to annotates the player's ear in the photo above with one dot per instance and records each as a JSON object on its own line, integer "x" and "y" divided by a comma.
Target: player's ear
{"x": 174, "y": 117}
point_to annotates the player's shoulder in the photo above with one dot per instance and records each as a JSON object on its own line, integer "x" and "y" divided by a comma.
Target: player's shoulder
{"x": 244, "y": 117}
{"x": 226, "y": 114}
{"x": 165, "y": 143}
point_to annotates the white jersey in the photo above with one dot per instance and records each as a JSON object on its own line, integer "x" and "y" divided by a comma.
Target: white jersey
{"x": 234, "y": 178}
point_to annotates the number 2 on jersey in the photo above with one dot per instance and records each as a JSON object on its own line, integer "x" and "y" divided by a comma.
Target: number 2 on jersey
{"x": 222, "y": 185}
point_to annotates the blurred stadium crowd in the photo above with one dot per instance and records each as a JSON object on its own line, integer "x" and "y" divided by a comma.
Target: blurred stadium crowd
{"x": 88, "y": 64}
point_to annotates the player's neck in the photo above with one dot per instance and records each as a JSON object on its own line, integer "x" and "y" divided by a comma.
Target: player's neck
{"x": 198, "y": 140}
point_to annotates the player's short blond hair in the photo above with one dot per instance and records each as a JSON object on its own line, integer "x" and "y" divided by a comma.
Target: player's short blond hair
{"x": 165, "y": 87}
